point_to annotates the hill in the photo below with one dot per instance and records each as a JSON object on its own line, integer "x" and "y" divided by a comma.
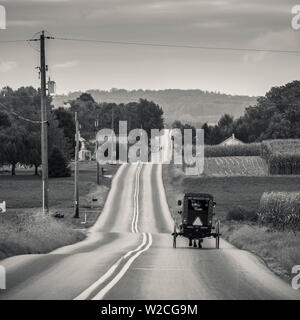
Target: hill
{"x": 191, "y": 106}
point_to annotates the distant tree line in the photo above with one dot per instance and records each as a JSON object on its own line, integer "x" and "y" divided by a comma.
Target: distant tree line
{"x": 20, "y": 140}
{"x": 143, "y": 114}
{"x": 274, "y": 116}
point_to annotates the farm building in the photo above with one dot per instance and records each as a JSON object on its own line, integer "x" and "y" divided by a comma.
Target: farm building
{"x": 231, "y": 141}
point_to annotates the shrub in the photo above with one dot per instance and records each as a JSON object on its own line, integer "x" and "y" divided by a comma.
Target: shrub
{"x": 280, "y": 209}
{"x": 251, "y": 149}
{"x": 240, "y": 213}
{"x": 58, "y": 165}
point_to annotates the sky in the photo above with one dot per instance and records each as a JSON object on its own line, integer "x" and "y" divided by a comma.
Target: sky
{"x": 260, "y": 24}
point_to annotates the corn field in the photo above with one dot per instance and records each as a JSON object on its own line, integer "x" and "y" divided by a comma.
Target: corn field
{"x": 250, "y": 149}
{"x": 283, "y": 156}
{"x": 280, "y": 209}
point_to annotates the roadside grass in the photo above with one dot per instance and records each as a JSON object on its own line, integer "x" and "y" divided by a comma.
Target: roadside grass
{"x": 33, "y": 233}
{"x": 279, "y": 249}
{"x": 24, "y": 191}
{"x": 23, "y": 229}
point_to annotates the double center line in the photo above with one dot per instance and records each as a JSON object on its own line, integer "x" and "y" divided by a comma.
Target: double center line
{"x": 134, "y": 223}
{"x": 103, "y": 285}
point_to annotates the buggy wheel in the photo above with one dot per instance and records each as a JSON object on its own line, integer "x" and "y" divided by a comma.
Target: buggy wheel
{"x": 174, "y": 236}
{"x": 218, "y": 234}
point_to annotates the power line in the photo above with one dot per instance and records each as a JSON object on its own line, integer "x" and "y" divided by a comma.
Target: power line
{"x": 19, "y": 116}
{"x": 178, "y": 45}
{"x": 148, "y": 44}
{"x": 12, "y": 41}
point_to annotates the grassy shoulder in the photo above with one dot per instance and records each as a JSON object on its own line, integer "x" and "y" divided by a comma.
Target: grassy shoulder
{"x": 30, "y": 232}
{"x": 24, "y": 229}
{"x": 280, "y": 250}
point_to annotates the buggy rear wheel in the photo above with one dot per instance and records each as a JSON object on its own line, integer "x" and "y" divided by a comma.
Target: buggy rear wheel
{"x": 174, "y": 236}
{"x": 218, "y": 234}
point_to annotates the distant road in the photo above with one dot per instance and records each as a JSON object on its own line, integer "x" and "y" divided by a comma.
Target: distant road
{"x": 129, "y": 255}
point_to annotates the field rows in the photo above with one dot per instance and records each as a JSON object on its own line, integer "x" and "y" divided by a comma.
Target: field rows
{"x": 235, "y": 166}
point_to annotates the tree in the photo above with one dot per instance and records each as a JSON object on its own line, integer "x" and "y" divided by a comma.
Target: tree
{"x": 33, "y": 155}
{"x": 58, "y": 165}
{"x": 275, "y": 116}
{"x": 66, "y": 122}
{"x": 86, "y": 109}
{"x": 20, "y": 139}
{"x": 225, "y": 125}
{"x": 13, "y": 146}
{"x": 4, "y": 120}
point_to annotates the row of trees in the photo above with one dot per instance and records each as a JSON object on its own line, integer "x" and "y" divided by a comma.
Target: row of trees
{"x": 142, "y": 114}
{"x": 275, "y": 116}
{"x": 20, "y": 139}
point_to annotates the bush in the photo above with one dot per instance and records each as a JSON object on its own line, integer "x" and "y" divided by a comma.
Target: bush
{"x": 58, "y": 165}
{"x": 240, "y": 213}
{"x": 280, "y": 209}
{"x": 250, "y": 149}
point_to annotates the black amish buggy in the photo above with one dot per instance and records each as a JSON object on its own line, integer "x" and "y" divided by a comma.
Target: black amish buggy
{"x": 197, "y": 219}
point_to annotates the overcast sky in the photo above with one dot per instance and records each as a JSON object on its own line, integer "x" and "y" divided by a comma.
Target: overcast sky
{"x": 82, "y": 66}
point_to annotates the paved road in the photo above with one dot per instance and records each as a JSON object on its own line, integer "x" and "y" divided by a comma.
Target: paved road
{"x": 129, "y": 255}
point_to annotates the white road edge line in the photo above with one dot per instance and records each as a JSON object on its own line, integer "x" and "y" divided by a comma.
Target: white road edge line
{"x": 86, "y": 293}
{"x": 119, "y": 276}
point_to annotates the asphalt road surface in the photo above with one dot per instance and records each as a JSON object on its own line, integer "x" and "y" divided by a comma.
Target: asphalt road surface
{"x": 128, "y": 255}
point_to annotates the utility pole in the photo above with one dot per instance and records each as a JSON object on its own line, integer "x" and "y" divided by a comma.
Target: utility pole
{"x": 112, "y": 130}
{"x": 98, "y": 166}
{"x": 76, "y": 191}
{"x": 44, "y": 129}
{"x": 112, "y": 117}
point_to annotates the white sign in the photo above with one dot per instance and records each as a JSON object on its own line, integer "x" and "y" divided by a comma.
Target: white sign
{"x": 3, "y": 207}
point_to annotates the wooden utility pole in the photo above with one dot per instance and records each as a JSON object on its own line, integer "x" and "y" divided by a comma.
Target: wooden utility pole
{"x": 112, "y": 117}
{"x": 44, "y": 129}
{"x": 98, "y": 166}
{"x": 112, "y": 129}
{"x": 76, "y": 191}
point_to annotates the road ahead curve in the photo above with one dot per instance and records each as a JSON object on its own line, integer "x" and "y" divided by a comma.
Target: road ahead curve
{"x": 128, "y": 255}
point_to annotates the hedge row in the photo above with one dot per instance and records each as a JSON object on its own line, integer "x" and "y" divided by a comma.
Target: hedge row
{"x": 280, "y": 209}
{"x": 251, "y": 149}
